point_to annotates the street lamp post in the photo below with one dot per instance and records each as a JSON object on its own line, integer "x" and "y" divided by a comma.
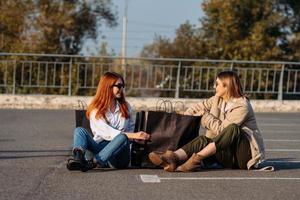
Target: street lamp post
{"x": 124, "y": 32}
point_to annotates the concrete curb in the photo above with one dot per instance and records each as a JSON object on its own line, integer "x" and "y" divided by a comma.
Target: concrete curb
{"x": 138, "y": 103}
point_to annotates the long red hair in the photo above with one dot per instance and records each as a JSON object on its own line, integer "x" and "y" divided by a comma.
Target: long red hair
{"x": 104, "y": 96}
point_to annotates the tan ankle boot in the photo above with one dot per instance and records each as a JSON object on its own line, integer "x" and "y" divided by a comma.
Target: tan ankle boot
{"x": 166, "y": 160}
{"x": 191, "y": 164}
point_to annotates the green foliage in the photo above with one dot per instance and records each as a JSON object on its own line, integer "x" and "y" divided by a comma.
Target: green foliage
{"x": 183, "y": 46}
{"x": 258, "y": 30}
{"x": 51, "y": 26}
{"x": 236, "y": 30}
{"x": 13, "y": 17}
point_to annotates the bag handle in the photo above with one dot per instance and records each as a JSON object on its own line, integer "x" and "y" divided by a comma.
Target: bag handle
{"x": 179, "y": 110}
{"x": 261, "y": 166}
{"x": 168, "y": 106}
{"x": 158, "y": 104}
{"x": 164, "y": 105}
{"x": 266, "y": 169}
{"x": 81, "y": 104}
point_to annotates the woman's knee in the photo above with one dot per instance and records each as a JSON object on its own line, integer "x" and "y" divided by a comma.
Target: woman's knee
{"x": 80, "y": 131}
{"x": 232, "y": 129}
{"x": 232, "y": 126}
{"x": 122, "y": 138}
{"x": 227, "y": 137}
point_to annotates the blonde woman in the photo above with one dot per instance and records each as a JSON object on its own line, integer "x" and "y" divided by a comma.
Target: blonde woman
{"x": 232, "y": 138}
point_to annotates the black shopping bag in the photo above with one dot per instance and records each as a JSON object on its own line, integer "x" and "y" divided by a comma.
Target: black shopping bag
{"x": 169, "y": 131}
{"x": 81, "y": 119}
{"x": 138, "y": 149}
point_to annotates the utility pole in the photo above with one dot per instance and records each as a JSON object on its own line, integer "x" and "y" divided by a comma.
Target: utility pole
{"x": 124, "y": 32}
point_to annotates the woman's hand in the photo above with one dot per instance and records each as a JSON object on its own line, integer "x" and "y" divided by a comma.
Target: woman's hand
{"x": 141, "y": 135}
{"x": 199, "y": 113}
{"x": 189, "y": 111}
{"x": 195, "y": 111}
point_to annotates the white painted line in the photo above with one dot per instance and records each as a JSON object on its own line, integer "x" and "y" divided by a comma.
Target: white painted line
{"x": 156, "y": 179}
{"x": 278, "y": 124}
{"x": 273, "y": 119}
{"x": 282, "y": 161}
{"x": 150, "y": 178}
{"x": 283, "y": 150}
{"x": 275, "y": 140}
{"x": 279, "y": 131}
{"x": 229, "y": 178}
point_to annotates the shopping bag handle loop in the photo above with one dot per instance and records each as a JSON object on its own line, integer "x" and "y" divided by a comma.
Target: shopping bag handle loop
{"x": 81, "y": 105}
{"x": 168, "y": 106}
{"x": 164, "y": 105}
{"x": 179, "y": 110}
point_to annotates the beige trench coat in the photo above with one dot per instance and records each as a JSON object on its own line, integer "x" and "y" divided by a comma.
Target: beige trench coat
{"x": 217, "y": 115}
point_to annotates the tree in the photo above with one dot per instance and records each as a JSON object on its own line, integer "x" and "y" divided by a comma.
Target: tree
{"x": 248, "y": 30}
{"x": 161, "y": 47}
{"x": 185, "y": 45}
{"x": 52, "y": 26}
{"x": 237, "y": 30}
{"x": 13, "y": 22}
{"x": 292, "y": 10}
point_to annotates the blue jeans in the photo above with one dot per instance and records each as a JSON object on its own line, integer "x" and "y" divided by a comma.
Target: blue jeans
{"x": 115, "y": 152}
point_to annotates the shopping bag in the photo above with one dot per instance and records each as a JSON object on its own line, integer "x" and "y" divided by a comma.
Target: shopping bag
{"x": 169, "y": 131}
{"x": 80, "y": 117}
{"x": 138, "y": 149}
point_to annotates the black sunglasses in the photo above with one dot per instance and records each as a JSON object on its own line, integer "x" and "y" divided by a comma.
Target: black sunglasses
{"x": 119, "y": 85}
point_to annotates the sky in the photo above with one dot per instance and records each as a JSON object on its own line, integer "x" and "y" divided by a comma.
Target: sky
{"x": 145, "y": 19}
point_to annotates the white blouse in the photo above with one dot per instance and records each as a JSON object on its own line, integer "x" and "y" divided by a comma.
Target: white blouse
{"x": 115, "y": 126}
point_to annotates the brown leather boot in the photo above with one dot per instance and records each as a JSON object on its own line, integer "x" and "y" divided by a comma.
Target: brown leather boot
{"x": 191, "y": 164}
{"x": 166, "y": 160}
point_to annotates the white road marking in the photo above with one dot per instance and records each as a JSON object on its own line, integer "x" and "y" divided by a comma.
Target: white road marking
{"x": 156, "y": 179}
{"x": 229, "y": 178}
{"x": 282, "y": 161}
{"x": 278, "y": 124}
{"x": 275, "y": 140}
{"x": 278, "y": 131}
{"x": 150, "y": 178}
{"x": 283, "y": 150}
{"x": 273, "y": 119}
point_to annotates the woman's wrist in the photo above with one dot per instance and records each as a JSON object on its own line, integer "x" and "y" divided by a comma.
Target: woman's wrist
{"x": 128, "y": 134}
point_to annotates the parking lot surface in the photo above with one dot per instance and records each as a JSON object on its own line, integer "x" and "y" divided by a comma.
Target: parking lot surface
{"x": 34, "y": 145}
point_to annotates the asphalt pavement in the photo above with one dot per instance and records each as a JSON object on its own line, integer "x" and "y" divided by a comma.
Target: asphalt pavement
{"x": 34, "y": 145}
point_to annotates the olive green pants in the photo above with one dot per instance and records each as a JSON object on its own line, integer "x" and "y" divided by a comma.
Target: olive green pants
{"x": 232, "y": 145}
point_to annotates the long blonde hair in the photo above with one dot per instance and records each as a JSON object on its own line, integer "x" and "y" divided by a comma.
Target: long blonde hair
{"x": 232, "y": 81}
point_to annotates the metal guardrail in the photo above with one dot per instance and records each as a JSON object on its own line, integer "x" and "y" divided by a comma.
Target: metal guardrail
{"x": 79, "y": 75}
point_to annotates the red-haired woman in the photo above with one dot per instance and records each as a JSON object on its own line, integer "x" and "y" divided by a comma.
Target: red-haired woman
{"x": 112, "y": 126}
